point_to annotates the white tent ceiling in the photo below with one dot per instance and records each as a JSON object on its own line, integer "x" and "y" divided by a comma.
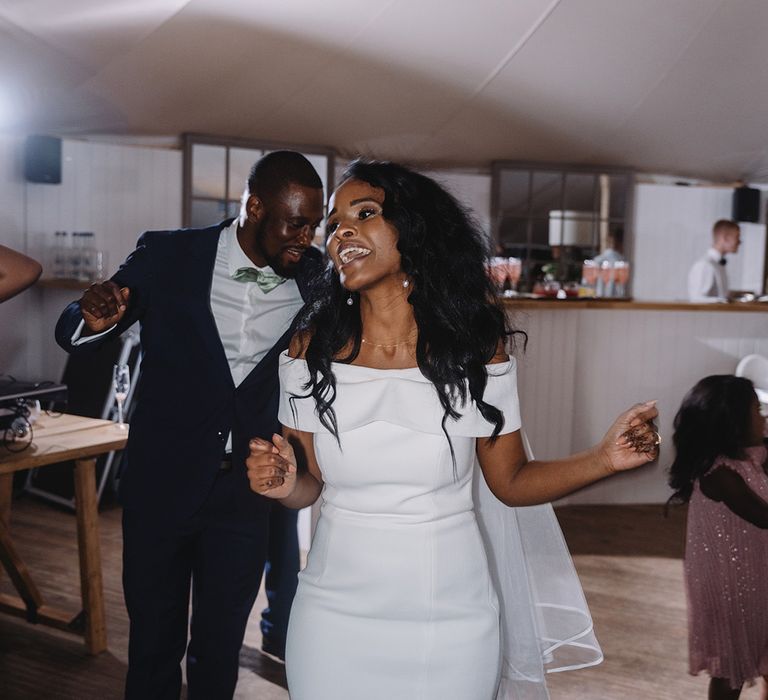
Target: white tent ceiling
{"x": 676, "y": 86}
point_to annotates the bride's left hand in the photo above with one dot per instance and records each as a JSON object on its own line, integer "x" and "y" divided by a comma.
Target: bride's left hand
{"x": 632, "y": 440}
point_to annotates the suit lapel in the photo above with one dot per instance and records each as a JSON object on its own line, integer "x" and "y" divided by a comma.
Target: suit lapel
{"x": 309, "y": 269}
{"x": 202, "y": 259}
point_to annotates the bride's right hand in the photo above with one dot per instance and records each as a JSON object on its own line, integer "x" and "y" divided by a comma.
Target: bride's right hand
{"x": 271, "y": 467}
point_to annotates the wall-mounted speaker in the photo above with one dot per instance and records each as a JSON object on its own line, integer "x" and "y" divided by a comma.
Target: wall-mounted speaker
{"x": 42, "y": 159}
{"x": 746, "y": 204}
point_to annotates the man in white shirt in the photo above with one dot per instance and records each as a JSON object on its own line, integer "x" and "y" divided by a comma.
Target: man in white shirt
{"x": 707, "y": 278}
{"x": 215, "y": 307}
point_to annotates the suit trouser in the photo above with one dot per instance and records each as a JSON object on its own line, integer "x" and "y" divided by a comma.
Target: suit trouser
{"x": 280, "y": 575}
{"x": 223, "y": 559}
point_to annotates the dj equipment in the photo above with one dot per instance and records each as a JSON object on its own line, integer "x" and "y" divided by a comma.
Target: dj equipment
{"x": 19, "y": 401}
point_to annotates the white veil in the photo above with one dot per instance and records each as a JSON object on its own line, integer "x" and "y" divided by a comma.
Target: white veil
{"x": 545, "y": 622}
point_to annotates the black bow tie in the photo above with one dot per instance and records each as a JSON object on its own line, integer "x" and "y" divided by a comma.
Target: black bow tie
{"x": 723, "y": 261}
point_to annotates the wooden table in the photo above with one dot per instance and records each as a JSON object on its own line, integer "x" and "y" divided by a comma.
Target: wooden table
{"x": 58, "y": 438}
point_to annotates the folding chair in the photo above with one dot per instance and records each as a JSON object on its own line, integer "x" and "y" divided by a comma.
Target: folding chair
{"x": 88, "y": 377}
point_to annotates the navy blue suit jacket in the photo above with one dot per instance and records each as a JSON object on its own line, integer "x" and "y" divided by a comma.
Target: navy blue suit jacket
{"x": 187, "y": 402}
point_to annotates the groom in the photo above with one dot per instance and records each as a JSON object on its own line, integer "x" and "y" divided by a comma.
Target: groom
{"x": 215, "y": 307}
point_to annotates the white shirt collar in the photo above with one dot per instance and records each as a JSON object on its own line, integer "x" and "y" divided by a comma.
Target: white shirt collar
{"x": 714, "y": 255}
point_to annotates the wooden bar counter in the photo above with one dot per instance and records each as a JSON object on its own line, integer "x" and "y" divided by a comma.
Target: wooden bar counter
{"x": 587, "y": 360}
{"x": 634, "y": 305}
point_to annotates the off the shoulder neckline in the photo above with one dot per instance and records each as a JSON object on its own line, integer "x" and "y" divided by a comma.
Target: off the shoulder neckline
{"x": 493, "y": 369}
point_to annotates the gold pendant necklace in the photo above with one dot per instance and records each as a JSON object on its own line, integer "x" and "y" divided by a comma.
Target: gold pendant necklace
{"x": 386, "y": 345}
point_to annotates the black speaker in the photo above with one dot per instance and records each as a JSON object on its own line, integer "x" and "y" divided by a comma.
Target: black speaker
{"x": 42, "y": 159}
{"x": 746, "y": 204}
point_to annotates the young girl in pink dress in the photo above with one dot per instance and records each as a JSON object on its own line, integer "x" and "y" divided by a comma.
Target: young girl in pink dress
{"x": 720, "y": 471}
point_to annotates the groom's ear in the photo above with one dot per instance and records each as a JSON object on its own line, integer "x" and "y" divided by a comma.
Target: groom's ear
{"x": 254, "y": 209}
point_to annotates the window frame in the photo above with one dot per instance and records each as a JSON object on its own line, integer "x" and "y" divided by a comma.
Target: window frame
{"x": 499, "y": 167}
{"x": 190, "y": 140}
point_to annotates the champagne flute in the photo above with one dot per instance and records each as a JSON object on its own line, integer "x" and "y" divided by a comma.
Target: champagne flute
{"x": 514, "y": 268}
{"x": 607, "y": 279}
{"x": 589, "y": 271}
{"x": 498, "y": 272}
{"x": 621, "y": 272}
{"x": 121, "y": 382}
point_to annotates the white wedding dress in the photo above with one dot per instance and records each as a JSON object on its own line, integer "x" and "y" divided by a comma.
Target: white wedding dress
{"x": 406, "y": 596}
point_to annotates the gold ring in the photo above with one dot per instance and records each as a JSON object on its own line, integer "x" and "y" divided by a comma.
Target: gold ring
{"x": 269, "y": 483}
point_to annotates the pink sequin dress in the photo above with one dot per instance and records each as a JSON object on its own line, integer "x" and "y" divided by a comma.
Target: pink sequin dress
{"x": 726, "y": 577}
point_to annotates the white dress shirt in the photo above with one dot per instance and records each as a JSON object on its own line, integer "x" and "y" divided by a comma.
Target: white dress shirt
{"x": 249, "y": 321}
{"x": 707, "y": 279}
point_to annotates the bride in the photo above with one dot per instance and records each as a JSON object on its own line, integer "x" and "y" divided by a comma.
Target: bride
{"x": 396, "y": 386}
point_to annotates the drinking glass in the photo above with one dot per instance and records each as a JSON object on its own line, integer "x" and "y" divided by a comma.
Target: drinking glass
{"x": 514, "y": 268}
{"x": 99, "y": 267}
{"x": 605, "y": 287}
{"x": 498, "y": 271}
{"x": 121, "y": 382}
{"x": 589, "y": 273}
{"x": 621, "y": 275}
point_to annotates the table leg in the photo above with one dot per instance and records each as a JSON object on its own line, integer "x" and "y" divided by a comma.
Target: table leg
{"x": 10, "y": 560}
{"x": 6, "y": 491}
{"x": 91, "y": 585}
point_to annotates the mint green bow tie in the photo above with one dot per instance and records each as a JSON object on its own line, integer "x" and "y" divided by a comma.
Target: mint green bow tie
{"x": 265, "y": 279}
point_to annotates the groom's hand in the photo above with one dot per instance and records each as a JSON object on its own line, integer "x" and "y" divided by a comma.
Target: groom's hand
{"x": 102, "y": 306}
{"x": 271, "y": 467}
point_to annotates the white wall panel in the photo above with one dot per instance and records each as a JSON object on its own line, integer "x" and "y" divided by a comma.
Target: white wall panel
{"x": 584, "y": 366}
{"x": 116, "y": 191}
{"x": 751, "y": 254}
{"x": 546, "y": 379}
{"x": 473, "y": 190}
{"x": 673, "y": 228}
{"x": 113, "y": 190}
{"x": 19, "y": 330}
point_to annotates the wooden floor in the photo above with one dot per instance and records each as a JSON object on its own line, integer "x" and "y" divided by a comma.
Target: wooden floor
{"x": 629, "y": 559}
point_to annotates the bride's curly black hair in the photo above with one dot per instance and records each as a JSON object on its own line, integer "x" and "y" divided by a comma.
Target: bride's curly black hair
{"x": 460, "y": 322}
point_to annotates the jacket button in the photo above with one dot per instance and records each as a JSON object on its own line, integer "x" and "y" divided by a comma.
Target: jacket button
{"x": 220, "y": 435}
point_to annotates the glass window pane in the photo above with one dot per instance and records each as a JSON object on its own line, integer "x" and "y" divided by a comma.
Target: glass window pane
{"x": 618, "y": 196}
{"x": 579, "y": 192}
{"x": 514, "y": 186}
{"x": 546, "y": 193}
{"x": 575, "y": 228}
{"x": 541, "y": 252}
{"x": 615, "y": 238}
{"x": 513, "y": 236}
{"x": 207, "y": 212}
{"x": 563, "y": 224}
{"x": 208, "y": 171}
{"x": 540, "y": 233}
{"x": 241, "y": 161}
